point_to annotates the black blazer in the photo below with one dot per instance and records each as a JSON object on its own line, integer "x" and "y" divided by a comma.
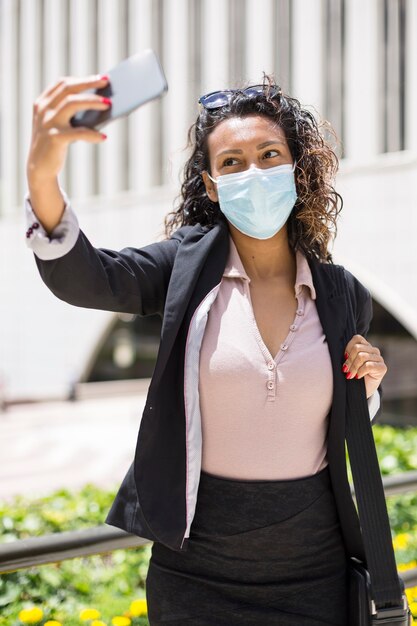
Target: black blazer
{"x": 171, "y": 278}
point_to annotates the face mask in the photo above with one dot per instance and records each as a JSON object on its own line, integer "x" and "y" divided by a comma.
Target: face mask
{"x": 258, "y": 201}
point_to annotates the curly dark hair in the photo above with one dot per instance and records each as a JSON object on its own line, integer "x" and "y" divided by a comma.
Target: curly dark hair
{"x": 317, "y": 205}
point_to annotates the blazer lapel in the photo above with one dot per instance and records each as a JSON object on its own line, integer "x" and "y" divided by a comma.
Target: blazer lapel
{"x": 200, "y": 244}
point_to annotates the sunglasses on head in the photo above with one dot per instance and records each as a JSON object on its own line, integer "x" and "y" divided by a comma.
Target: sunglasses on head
{"x": 218, "y": 99}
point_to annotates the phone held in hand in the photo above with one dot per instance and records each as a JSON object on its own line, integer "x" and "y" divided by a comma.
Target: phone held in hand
{"x": 132, "y": 82}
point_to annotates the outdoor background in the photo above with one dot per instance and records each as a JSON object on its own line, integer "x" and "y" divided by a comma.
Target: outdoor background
{"x": 73, "y": 380}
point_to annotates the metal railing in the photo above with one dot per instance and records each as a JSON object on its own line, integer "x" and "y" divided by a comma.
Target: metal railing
{"x": 101, "y": 539}
{"x": 60, "y": 546}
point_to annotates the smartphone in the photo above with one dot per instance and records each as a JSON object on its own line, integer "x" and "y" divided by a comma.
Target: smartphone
{"x": 134, "y": 81}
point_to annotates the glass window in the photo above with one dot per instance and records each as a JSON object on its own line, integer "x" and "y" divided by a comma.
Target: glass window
{"x": 392, "y": 60}
{"x": 334, "y": 68}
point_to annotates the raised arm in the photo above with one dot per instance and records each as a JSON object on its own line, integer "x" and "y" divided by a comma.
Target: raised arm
{"x": 52, "y": 133}
{"x": 132, "y": 280}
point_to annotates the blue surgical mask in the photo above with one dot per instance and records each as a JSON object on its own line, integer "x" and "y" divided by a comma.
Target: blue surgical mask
{"x": 258, "y": 201}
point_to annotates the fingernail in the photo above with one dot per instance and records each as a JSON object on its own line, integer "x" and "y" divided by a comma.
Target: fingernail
{"x": 106, "y": 100}
{"x": 345, "y": 367}
{"x": 356, "y": 376}
{"x": 346, "y": 355}
{"x": 103, "y": 136}
{"x": 349, "y": 375}
{"x": 104, "y": 77}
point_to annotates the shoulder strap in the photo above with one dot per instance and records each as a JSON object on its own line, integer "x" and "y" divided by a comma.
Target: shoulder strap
{"x": 387, "y": 586}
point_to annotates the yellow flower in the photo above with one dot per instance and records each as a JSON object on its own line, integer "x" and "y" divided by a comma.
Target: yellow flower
{"x": 413, "y": 608}
{"x": 138, "y": 607}
{"x": 52, "y": 622}
{"x": 97, "y": 622}
{"x": 31, "y": 616}
{"x": 400, "y": 542}
{"x": 119, "y": 620}
{"x": 411, "y": 595}
{"x": 404, "y": 566}
{"x": 86, "y": 614}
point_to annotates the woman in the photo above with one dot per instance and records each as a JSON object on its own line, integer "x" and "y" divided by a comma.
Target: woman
{"x": 239, "y": 474}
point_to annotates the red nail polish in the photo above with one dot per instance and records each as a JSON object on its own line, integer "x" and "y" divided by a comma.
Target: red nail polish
{"x": 103, "y": 136}
{"x": 348, "y": 374}
{"x": 345, "y": 367}
{"x": 356, "y": 376}
{"x": 346, "y": 355}
{"x": 104, "y": 77}
{"x": 106, "y": 100}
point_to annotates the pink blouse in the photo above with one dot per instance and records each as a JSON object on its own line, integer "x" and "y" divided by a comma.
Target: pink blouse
{"x": 263, "y": 416}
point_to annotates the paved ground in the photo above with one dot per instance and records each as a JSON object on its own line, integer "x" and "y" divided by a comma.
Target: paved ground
{"x": 44, "y": 446}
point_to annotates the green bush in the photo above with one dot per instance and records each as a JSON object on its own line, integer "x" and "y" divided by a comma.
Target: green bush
{"x": 109, "y": 581}
{"x": 397, "y": 453}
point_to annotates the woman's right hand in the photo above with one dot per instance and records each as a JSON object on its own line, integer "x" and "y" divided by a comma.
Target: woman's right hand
{"x": 51, "y": 128}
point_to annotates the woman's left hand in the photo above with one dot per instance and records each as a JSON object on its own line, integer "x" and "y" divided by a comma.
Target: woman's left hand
{"x": 363, "y": 360}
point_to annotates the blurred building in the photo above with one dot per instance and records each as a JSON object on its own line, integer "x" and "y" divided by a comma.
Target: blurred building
{"x": 351, "y": 62}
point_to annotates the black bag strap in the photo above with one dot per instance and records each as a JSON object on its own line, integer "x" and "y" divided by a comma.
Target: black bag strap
{"x": 386, "y": 586}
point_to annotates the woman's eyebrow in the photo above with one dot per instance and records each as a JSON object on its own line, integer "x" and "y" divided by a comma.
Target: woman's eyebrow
{"x": 230, "y": 152}
{"x": 261, "y": 145}
{"x": 269, "y": 143}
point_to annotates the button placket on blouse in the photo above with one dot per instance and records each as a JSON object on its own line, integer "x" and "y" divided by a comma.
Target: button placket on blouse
{"x": 293, "y": 327}
{"x": 288, "y": 340}
{"x": 271, "y": 382}
{"x": 272, "y": 374}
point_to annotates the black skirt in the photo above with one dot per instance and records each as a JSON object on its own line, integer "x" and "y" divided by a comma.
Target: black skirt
{"x": 264, "y": 552}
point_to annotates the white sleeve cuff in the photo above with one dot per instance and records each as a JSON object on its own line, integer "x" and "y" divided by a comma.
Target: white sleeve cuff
{"x": 61, "y": 239}
{"x": 374, "y": 403}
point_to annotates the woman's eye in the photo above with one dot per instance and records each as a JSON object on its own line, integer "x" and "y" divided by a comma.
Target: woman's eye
{"x": 271, "y": 153}
{"x": 228, "y": 162}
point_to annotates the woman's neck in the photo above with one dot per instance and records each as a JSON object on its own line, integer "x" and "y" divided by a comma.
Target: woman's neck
{"x": 266, "y": 259}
